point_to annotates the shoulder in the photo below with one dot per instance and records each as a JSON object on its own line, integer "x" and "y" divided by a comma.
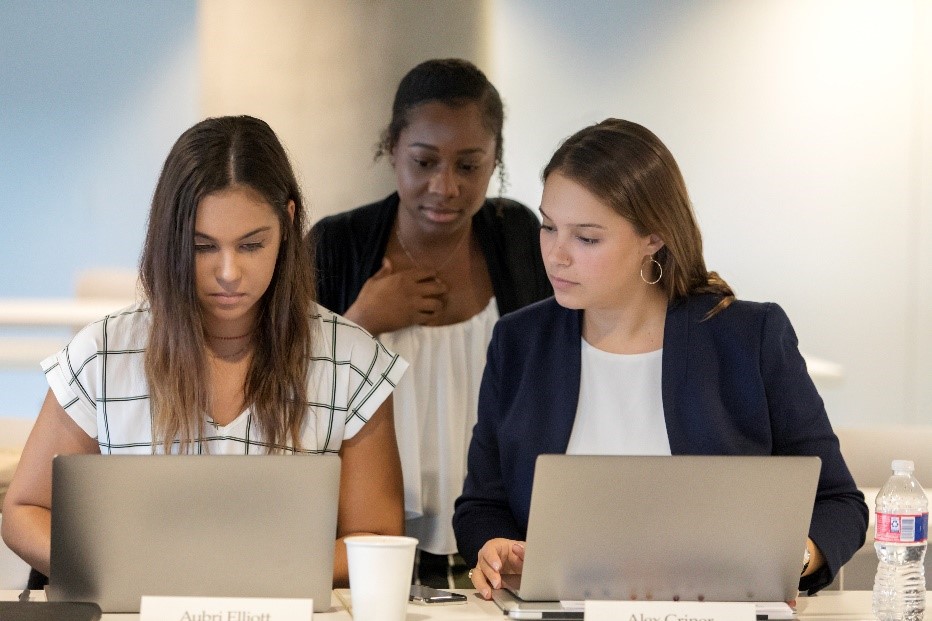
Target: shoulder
{"x": 507, "y": 213}
{"x": 111, "y": 340}
{"x": 326, "y": 322}
{"x": 543, "y": 311}
{"x": 350, "y": 364}
{"x": 543, "y": 321}
{"x": 740, "y": 318}
{"x": 337, "y": 338}
{"x": 360, "y": 217}
{"x": 129, "y": 325}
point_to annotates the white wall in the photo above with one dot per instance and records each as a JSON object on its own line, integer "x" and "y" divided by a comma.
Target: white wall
{"x": 92, "y": 95}
{"x": 324, "y": 77}
{"x": 922, "y": 237}
{"x": 803, "y": 131}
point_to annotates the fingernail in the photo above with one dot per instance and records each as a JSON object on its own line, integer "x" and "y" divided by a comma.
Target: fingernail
{"x": 486, "y": 594}
{"x": 497, "y": 566}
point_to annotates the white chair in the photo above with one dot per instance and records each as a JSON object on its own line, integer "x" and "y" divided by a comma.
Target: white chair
{"x": 14, "y": 572}
{"x": 868, "y": 451}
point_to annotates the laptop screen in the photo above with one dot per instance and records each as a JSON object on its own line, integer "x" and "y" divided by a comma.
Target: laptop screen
{"x": 718, "y": 528}
{"x": 200, "y": 525}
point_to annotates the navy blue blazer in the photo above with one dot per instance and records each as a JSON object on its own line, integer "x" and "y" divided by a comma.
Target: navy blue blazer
{"x": 734, "y": 384}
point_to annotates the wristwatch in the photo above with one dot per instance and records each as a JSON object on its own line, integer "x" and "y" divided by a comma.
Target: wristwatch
{"x": 806, "y": 557}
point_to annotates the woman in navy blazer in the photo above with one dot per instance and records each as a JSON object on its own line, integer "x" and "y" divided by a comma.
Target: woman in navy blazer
{"x": 624, "y": 254}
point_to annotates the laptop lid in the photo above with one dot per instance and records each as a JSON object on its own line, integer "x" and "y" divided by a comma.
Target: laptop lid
{"x": 124, "y": 526}
{"x": 718, "y": 528}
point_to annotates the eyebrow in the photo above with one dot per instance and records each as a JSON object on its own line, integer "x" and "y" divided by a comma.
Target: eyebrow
{"x": 581, "y": 225}
{"x": 241, "y": 237}
{"x": 424, "y": 145}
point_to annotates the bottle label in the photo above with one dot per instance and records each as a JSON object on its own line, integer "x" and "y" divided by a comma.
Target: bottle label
{"x": 897, "y": 528}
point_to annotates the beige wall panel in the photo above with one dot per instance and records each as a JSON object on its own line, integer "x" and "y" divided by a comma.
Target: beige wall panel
{"x": 323, "y": 74}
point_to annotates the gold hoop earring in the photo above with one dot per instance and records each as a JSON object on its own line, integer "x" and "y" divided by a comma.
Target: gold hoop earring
{"x": 659, "y": 271}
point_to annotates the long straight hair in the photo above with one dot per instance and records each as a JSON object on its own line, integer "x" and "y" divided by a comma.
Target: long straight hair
{"x": 627, "y": 167}
{"x": 214, "y": 155}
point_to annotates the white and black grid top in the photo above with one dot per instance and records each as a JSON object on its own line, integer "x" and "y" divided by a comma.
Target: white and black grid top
{"x": 99, "y": 379}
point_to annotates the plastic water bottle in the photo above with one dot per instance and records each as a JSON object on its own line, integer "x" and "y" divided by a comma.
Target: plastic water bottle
{"x": 900, "y": 541}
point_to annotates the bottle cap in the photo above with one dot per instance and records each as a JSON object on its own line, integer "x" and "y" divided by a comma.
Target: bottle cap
{"x": 901, "y": 465}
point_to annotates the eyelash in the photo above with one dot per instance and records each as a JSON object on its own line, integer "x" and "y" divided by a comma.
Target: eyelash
{"x": 589, "y": 241}
{"x": 466, "y": 168}
{"x": 250, "y": 247}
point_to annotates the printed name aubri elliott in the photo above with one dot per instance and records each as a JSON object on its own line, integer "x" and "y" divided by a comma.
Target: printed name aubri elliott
{"x": 229, "y": 615}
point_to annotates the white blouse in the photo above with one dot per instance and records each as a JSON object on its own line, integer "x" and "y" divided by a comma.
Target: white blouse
{"x": 620, "y": 408}
{"x": 435, "y": 410}
{"x": 99, "y": 379}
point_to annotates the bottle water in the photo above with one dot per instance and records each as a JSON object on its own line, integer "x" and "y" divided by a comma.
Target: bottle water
{"x": 900, "y": 541}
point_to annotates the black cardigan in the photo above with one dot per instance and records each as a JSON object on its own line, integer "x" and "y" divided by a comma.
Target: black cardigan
{"x": 348, "y": 249}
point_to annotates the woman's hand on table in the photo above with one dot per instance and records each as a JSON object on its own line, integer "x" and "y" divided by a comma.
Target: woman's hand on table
{"x": 497, "y": 557}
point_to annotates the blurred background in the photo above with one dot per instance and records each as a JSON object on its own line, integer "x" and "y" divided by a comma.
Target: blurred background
{"x": 803, "y": 128}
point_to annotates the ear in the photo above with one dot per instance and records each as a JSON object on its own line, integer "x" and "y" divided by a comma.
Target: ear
{"x": 290, "y": 208}
{"x": 654, "y": 243}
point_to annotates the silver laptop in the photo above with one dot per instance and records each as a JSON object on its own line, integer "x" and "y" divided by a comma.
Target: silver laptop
{"x": 201, "y": 525}
{"x": 663, "y": 528}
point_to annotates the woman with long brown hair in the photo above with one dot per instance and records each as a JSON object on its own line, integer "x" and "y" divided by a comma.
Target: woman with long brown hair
{"x": 227, "y": 353}
{"x": 642, "y": 350}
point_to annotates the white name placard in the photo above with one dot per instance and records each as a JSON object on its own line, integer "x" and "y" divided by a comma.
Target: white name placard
{"x": 159, "y": 608}
{"x": 669, "y": 611}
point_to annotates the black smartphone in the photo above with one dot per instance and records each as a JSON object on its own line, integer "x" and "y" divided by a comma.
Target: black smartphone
{"x": 421, "y": 594}
{"x": 46, "y": 611}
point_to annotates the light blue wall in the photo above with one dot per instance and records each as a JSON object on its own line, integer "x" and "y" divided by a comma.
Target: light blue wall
{"x": 92, "y": 95}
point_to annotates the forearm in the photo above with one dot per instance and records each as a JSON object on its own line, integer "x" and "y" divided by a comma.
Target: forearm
{"x": 477, "y": 522}
{"x": 27, "y": 531}
{"x": 340, "y": 564}
{"x": 816, "y": 560}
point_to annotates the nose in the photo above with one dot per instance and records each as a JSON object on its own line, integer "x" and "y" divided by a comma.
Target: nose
{"x": 555, "y": 253}
{"x": 228, "y": 269}
{"x": 443, "y": 182}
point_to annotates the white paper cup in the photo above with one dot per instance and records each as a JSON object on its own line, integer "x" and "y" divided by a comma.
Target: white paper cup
{"x": 380, "y": 569}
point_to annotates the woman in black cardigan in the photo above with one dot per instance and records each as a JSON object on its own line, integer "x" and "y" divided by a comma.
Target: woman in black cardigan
{"x": 430, "y": 269}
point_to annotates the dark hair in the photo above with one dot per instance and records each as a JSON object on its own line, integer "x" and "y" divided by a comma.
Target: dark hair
{"x": 626, "y": 166}
{"x": 454, "y": 82}
{"x": 213, "y": 155}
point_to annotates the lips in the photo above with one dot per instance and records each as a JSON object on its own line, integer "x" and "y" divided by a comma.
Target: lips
{"x": 227, "y": 298}
{"x": 440, "y": 214}
{"x": 561, "y": 283}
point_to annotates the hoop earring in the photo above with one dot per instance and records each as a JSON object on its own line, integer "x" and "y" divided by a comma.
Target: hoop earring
{"x": 659, "y": 270}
